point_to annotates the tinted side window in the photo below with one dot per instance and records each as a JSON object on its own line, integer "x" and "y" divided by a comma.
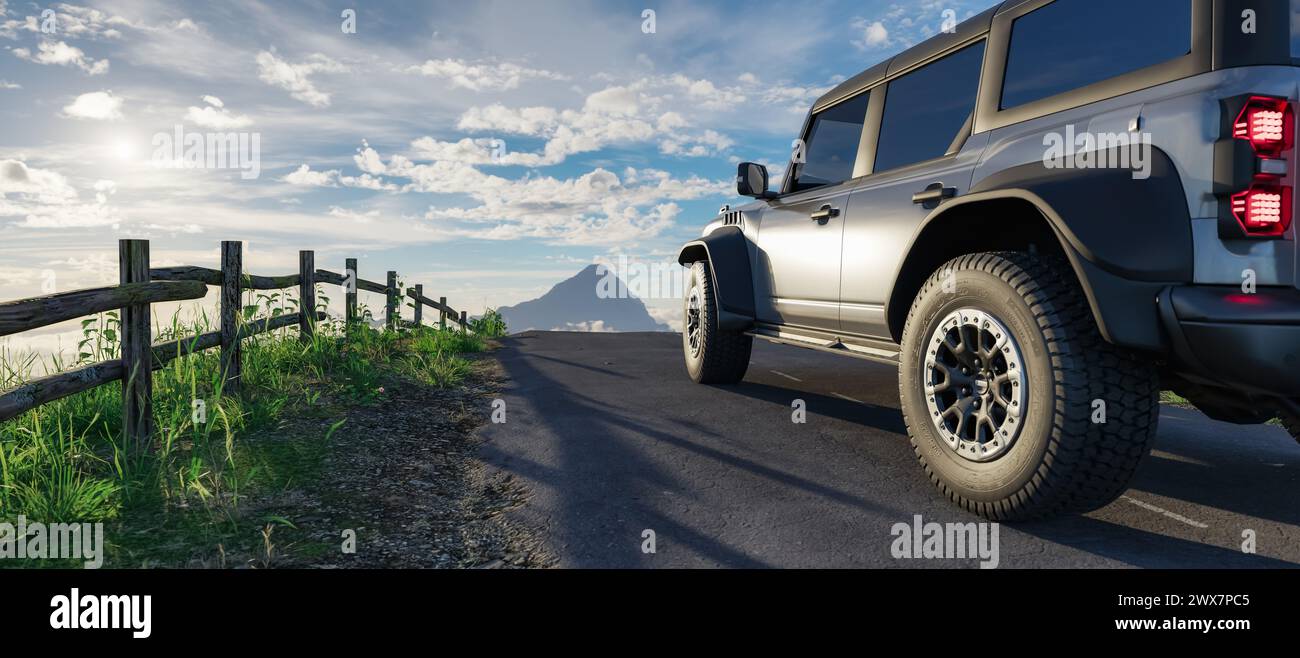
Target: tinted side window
{"x": 1074, "y": 43}
{"x": 1295, "y": 28}
{"x": 925, "y": 109}
{"x": 832, "y": 145}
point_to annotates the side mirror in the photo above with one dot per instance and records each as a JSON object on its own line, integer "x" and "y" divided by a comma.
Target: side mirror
{"x": 751, "y": 180}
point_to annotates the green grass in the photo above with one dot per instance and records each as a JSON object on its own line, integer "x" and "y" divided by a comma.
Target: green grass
{"x": 66, "y": 461}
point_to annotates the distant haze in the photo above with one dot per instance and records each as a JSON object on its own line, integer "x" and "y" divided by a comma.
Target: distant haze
{"x": 577, "y": 304}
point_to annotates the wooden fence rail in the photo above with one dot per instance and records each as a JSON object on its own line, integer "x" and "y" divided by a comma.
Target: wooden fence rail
{"x": 25, "y": 315}
{"x": 142, "y": 286}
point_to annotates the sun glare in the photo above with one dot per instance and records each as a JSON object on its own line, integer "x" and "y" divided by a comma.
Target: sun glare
{"x": 123, "y": 150}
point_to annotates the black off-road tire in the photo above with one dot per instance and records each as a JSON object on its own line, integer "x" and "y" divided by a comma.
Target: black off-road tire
{"x": 1062, "y": 461}
{"x": 721, "y": 357}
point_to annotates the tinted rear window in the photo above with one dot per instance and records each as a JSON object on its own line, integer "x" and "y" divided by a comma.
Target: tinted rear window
{"x": 1074, "y": 43}
{"x": 925, "y": 109}
{"x": 1295, "y": 28}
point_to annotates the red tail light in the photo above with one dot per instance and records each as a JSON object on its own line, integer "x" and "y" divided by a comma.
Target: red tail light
{"x": 1263, "y": 210}
{"x": 1267, "y": 124}
{"x": 1253, "y": 161}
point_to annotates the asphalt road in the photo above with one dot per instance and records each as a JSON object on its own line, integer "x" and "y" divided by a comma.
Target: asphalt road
{"x": 613, "y": 440}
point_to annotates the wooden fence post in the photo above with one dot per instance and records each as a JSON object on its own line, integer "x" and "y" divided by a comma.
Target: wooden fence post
{"x": 137, "y": 355}
{"x": 350, "y": 291}
{"x": 306, "y": 295}
{"x": 442, "y": 313}
{"x": 462, "y": 322}
{"x": 419, "y": 308}
{"x": 390, "y": 312}
{"x": 232, "y": 270}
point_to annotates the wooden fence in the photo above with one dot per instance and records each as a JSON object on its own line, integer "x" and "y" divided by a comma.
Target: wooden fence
{"x": 140, "y": 286}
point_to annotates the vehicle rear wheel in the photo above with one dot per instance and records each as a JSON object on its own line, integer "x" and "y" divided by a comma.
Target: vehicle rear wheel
{"x": 1015, "y": 405}
{"x": 713, "y": 356}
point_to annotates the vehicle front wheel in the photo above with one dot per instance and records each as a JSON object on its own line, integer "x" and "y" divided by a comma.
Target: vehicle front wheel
{"x": 713, "y": 356}
{"x": 1015, "y": 405}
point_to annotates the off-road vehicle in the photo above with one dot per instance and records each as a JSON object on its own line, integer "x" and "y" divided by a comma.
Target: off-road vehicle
{"x": 1044, "y": 217}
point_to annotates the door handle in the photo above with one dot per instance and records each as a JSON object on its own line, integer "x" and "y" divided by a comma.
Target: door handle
{"x": 933, "y": 194}
{"x": 824, "y": 213}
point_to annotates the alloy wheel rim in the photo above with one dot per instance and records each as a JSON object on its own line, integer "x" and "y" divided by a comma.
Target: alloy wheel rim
{"x": 694, "y": 330}
{"x": 975, "y": 385}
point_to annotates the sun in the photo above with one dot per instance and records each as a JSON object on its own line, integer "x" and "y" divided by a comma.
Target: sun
{"x": 123, "y": 150}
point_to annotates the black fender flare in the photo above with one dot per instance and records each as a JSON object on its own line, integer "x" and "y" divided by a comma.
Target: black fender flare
{"x": 726, "y": 250}
{"x": 1122, "y": 264}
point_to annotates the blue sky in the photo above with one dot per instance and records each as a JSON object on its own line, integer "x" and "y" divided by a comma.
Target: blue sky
{"x": 485, "y": 149}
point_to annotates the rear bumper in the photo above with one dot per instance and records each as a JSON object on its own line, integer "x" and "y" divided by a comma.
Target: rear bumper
{"x": 1220, "y": 336}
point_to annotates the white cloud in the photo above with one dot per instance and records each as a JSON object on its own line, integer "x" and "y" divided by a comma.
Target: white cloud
{"x": 304, "y": 176}
{"x": 707, "y": 143}
{"x": 594, "y": 208}
{"x": 97, "y": 105}
{"x": 608, "y": 116}
{"x": 483, "y": 76}
{"x": 37, "y": 184}
{"x": 61, "y": 54}
{"x": 874, "y": 35}
{"x": 5, "y": 84}
{"x": 522, "y": 121}
{"x": 45, "y": 199}
{"x": 215, "y": 116}
{"x": 294, "y": 77}
{"x": 71, "y": 21}
{"x": 593, "y": 326}
{"x": 906, "y": 25}
{"x": 358, "y": 217}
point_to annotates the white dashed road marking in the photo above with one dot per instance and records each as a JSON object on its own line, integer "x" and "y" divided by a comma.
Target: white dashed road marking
{"x": 1160, "y": 510}
{"x": 777, "y": 372}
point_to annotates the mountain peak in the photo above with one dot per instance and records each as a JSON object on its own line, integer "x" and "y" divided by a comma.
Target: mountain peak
{"x": 582, "y": 303}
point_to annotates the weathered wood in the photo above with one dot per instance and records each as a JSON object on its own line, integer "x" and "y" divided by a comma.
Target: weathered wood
{"x": 326, "y": 276}
{"x": 391, "y": 312}
{"x": 442, "y": 313}
{"x": 170, "y": 350}
{"x": 440, "y": 305}
{"x": 44, "y": 390}
{"x": 372, "y": 286}
{"x": 419, "y": 308}
{"x": 350, "y": 287}
{"x": 187, "y": 273}
{"x": 232, "y": 264}
{"x": 307, "y": 294}
{"x": 463, "y": 324}
{"x": 137, "y": 355}
{"x": 263, "y": 325}
{"x": 214, "y": 277}
{"x": 28, "y": 314}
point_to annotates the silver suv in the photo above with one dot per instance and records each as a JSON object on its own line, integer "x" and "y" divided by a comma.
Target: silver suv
{"x": 1044, "y": 217}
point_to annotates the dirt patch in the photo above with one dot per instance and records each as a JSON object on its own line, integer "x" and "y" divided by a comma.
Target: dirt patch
{"x": 403, "y": 474}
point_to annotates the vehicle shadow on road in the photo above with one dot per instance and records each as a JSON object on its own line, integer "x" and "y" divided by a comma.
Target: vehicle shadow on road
{"x": 1141, "y": 548}
{"x": 887, "y": 419}
{"x": 597, "y": 474}
{"x": 591, "y": 482}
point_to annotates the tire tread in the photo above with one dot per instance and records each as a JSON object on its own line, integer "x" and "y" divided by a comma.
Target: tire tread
{"x": 1086, "y": 465}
